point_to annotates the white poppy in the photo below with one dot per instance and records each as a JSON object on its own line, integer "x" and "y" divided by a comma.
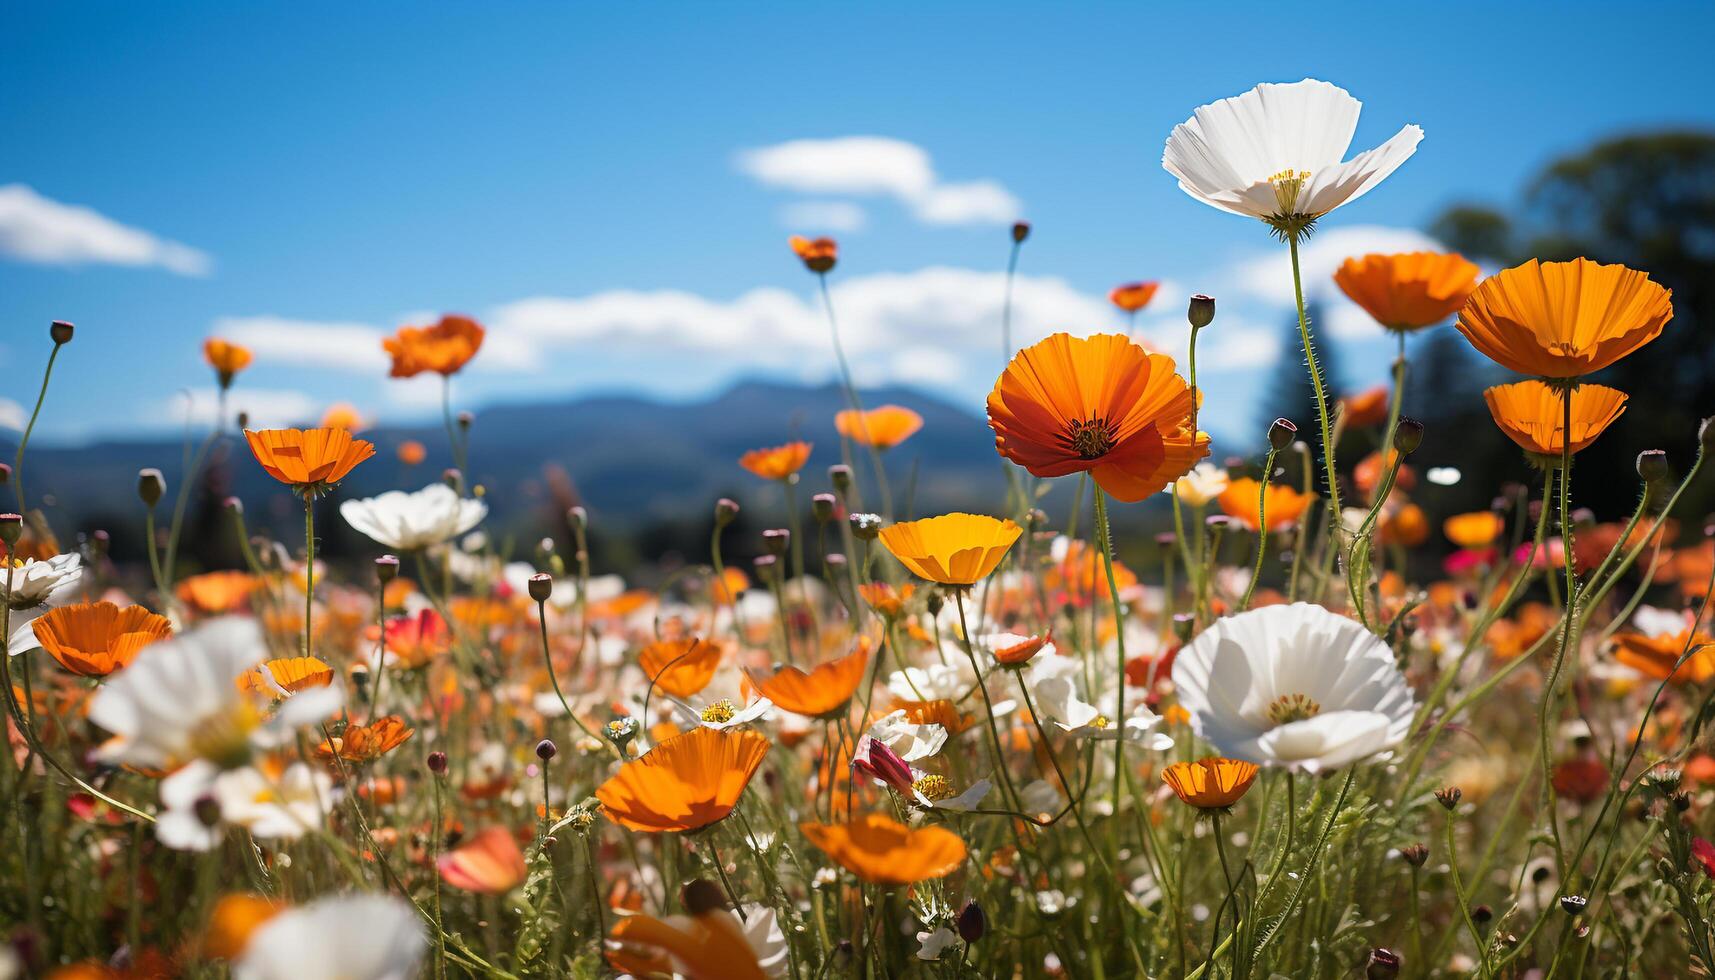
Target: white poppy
{"x": 1275, "y": 153}
{"x": 1204, "y": 483}
{"x": 1294, "y": 686}
{"x": 409, "y": 521}
{"x": 910, "y": 742}
{"x": 1054, "y": 690}
{"x": 37, "y": 586}
{"x": 351, "y": 937}
{"x": 180, "y": 701}
{"x": 952, "y": 680}
{"x": 282, "y": 806}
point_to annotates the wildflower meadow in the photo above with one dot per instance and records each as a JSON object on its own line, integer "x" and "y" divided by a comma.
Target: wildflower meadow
{"x": 1267, "y": 739}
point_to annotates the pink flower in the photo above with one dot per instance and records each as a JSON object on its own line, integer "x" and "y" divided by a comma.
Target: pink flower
{"x": 878, "y": 761}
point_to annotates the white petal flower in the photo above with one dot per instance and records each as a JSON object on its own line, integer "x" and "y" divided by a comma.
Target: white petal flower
{"x": 721, "y": 713}
{"x": 1204, "y": 483}
{"x": 1276, "y": 152}
{"x": 910, "y": 742}
{"x": 283, "y": 806}
{"x": 37, "y": 586}
{"x": 1294, "y": 686}
{"x": 409, "y": 521}
{"x": 932, "y": 944}
{"x": 352, "y": 937}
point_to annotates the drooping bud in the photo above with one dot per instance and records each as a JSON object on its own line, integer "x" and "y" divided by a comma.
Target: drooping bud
{"x": 1020, "y": 231}
{"x": 61, "y": 331}
{"x": 243, "y": 419}
{"x": 578, "y": 518}
{"x": 150, "y": 486}
{"x": 5, "y": 473}
{"x": 546, "y": 749}
{"x": 386, "y": 568}
{"x": 1201, "y": 312}
{"x": 1482, "y": 914}
{"x": 822, "y": 507}
{"x": 452, "y": 477}
{"x": 541, "y": 586}
{"x": 1407, "y": 436}
{"x": 465, "y": 419}
{"x": 726, "y": 511}
{"x": 1652, "y": 465}
{"x": 973, "y": 924}
{"x": 702, "y": 896}
{"x": 1281, "y": 434}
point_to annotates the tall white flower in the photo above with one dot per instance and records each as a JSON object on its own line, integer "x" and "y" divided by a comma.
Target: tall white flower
{"x": 1294, "y": 686}
{"x": 351, "y": 937}
{"x": 408, "y": 521}
{"x": 1275, "y": 153}
{"x": 37, "y": 586}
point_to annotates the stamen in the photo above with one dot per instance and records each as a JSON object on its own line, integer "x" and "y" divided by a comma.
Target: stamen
{"x": 1293, "y": 707}
{"x": 720, "y": 712}
{"x": 1091, "y": 439}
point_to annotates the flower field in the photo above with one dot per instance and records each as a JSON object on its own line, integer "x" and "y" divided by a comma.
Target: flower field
{"x": 902, "y": 744}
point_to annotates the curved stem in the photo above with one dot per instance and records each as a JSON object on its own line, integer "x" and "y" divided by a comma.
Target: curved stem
{"x": 1261, "y": 528}
{"x": 24, "y": 440}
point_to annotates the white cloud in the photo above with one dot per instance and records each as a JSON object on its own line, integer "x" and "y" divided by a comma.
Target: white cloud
{"x": 267, "y": 408}
{"x": 815, "y": 217}
{"x": 338, "y": 346}
{"x": 878, "y": 166}
{"x": 12, "y": 415}
{"x": 34, "y": 228}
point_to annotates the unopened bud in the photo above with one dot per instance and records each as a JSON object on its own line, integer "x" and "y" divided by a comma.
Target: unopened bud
{"x": 836, "y": 561}
{"x": 1281, "y": 434}
{"x": 1020, "y": 231}
{"x": 1384, "y": 964}
{"x": 578, "y": 518}
{"x": 866, "y": 527}
{"x": 934, "y": 603}
{"x": 243, "y": 420}
{"x": 1183, "y": 624}
{"x": 438, "y": 762}
{"x": 1201, "y": 312}
{"x": 150, "y": 486}
{"x": 1652, "y": 465}
{"x": 5, "y": 473}
{"x": 726, "y": 511}
{"x": 1414, "y": 854}
{"x": 452, "y": 477}
{"x": 234, "y": 504}
{"x": 1407, "y": 436}
{"x": 775, "y": 540}
{"x": 546, "y": 749}
{"x": 702, "y": 896}
{"x": 11, "y": 528}
{"x": 541, "y": 586}
{"x": 767, "y": 567}
{"x": 822, "y": 507}
{"x": 1706, "y": 435}
{"x": 465, "y": 419}
{"x": 1449, "y": 796}
{"x": 972, "y": 922}
{"x": 1482, "y": 914}
{"x": 61, "y": 331}
{"x": 840, "y": 475}
{"x": 386, "y": 568}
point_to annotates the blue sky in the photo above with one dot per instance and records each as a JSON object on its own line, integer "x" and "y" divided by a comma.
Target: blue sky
{"x": 307, "y": 176}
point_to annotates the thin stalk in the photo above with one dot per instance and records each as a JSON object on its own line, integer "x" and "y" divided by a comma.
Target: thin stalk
{"x": 24, "y": 440}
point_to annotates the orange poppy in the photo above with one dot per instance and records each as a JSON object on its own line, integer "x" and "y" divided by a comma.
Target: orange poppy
{"x": 1081, "y": 573}
{"x": 1656, "y": 655}
{"x": 680, "y": 667}
{"x": 1509, "y": 638}
{"x": 414, "y": 641}
{"x": 1133, "y": 296}
{"x": 1101, "y": 405}
{"x": 217, "y": 592}
{"x": 365, "y": 743}
{"x": 824, "y": 691}
{"x": 411, "y": 452}
{"x": 883, "y": 851}
{"x": 1369, "y": 471}
{"x": 95, "y": 639}
{"x": 1285, "y": 506}
{"x": 291, "y": 674}
{"x": 1403, "y": 525}
{"x": 817, "y": 254}
{"x": 1478, "y": 529}
{"x": 1366, "y": 408}
{"x": 776, "y": 462}
{"x": 234, "y": 918}
{"x": 686, "y": 782}
{"x": 953, "y": 549}
{"x": 1210, "y": 784}
{"x": 1019, "y": 653}
{"x": 885, "y": 599}
{"x": 310, "y": 461}
{"x": 490, "y": 863}
{"x": 1410, "y": 290}
{"x": 709, "y": 946}
{"x": 442, "y": 348}
{"x": 1532, "y": 414}
{"x": 344, "y": 415}
{"x": 1564, "y": 319}
{"x": 226, "y": 358}
{"x": 883, "y": 427}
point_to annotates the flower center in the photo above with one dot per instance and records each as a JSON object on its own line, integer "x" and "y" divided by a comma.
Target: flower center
{"x": 225, "y": 739}
{"x": 932, "y": 787}
{"x": 1292, "y": 707}
{"x": 1091, "y": 439}
{"x": 1100, "y": 721}
{"x": 1288, "y": 184}
{"x": 720, "y": 712}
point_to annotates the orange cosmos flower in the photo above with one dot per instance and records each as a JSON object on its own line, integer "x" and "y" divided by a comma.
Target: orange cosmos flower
{"x": 289, "y": 674}
{"x": 884, "y": 598}
{"x": 1285, "y": 505}
{"x": 1564, "y": 319}
{"x": 1410, "y": 290}
{"x": 817, "y": 254}
{"x": 680, "y": 667}
{"x": 707, "y": 946}
{"x": 442, "y": 348}
{"x": 1532, "y": 414}
{"x": 1210, "y": 784}
{"x": 489, "y": 863}
{"x": 1656, "y": 655}
{"x": 310, "y": 461}
{"x": 953, "y": 549}
{"x": 1366, "y": 408}
{"x": 365, "y": 743}
{"x": 344, "y": 415}
{"x": 1101, "y": 405}
{"x": 883, "y": 427}
{"x": 411, "y": 452}
{"x": 95, "y": 639}
{"x": 688, "y": 781}
{"x": 1478, "y": 529}
{"x": 1133, "y": 296}
{"x": 226, "y": 358}
{"x": 824, "y": 691}
{"x": 882, "y": 851}
{"x": 217, "y": 592}
{"x": 776, "y": 462}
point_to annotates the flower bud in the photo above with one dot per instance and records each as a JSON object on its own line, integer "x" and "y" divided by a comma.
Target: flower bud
{"x": 822, "y": 507}
{"x": 11, "y": 528}
{"x": 1706, "y": 435}
{"x": 726, "y": 511}
{"x": 767, "y": 567}
{"x": 386, "y": 568}
{"x": 243, "y": 419}
{"x": 150, "y": 486}
{"x": 836, "y": 562}
{"x": 578, "y": 518}
{"x": 1035, "y": 518}
{"x": 1020, "y": 231}
{"x": 934, "y": 603}
{"x": 438, "y": 762}
{"x": 840, "y": 475}
{"x": 1449, "y": 796}
{"x": 972, "y": 922}
{"x": 1652, "y": 465}
{"x": 1384, "y": 964}
{"x": 5, "y": 473}
{"x": 1573, "y": 904}
{"x": 541, "y": 586}
{"x": 1201, "y": 312}
{"x": 546, "y": 749}
{"x": 1414, "y": 854}
{"x": 866, "y": 527}
{"x": 1482, "y": 914}
{"x": 1183, "y": 624}
{"x": 465, "y": 419}
{"x": 775, "y": 540}
{"x": 1281, "y": 434}
{"x": 1407, "y": 436}
{"x": 234, "y": 504}
{"x": 60, "y": 331}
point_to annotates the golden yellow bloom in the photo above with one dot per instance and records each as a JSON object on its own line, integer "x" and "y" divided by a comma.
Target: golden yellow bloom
{"x": 1564, "y": 319}
{"x": 226, "y": 358}
{"x": 1210, "y": 784}
{"x": 1532, "y": 414}
{"x": 443, "y": 348}
{"x": 953, "y": 549}
{"x": 1478, "y": 529}
{"x": 310, "y": 461}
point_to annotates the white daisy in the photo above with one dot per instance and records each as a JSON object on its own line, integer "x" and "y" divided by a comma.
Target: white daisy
{"x": 1275, "y": 153}
{"x": 351, "y": 937}
{"x": 1294, "y": 686}
{"x": 409, "y": 521}
{"x": 37, "y": 586}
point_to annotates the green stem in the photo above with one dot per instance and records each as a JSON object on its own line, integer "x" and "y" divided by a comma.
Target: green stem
{"x": 1261, "y": 527}
{"x": 24, "y": 440}
{"x": 1321, "y": 393}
